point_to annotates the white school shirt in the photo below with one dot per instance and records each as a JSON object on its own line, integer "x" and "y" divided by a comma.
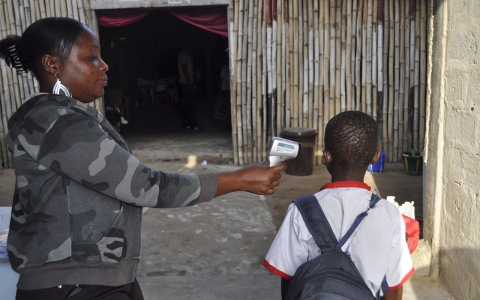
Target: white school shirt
{"x": 377, "y": 247}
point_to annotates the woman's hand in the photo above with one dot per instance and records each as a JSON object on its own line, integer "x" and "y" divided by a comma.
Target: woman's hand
{"x": 254, "y": 178}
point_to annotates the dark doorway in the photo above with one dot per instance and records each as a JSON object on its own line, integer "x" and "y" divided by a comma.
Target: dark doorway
{"x": 143, "y": 74}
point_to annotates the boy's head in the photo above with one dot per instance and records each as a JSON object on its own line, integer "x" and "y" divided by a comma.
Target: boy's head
{"x": 351, "y": 141}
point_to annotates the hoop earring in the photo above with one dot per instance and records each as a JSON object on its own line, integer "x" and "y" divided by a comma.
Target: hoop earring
{"x": 59, "y": 86}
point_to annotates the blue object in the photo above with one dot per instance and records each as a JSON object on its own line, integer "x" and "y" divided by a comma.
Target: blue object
{"x": 379, "y": 165}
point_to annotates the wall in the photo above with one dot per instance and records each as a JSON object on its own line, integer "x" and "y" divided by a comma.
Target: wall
{"x": 453, "y": 152}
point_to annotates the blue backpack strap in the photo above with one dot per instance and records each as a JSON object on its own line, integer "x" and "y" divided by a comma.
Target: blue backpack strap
{"x": 316, "y": 222}
{"x": 358, "y": 220}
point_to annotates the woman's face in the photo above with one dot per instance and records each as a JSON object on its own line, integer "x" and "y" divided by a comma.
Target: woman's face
{"x": 84, "y": 72}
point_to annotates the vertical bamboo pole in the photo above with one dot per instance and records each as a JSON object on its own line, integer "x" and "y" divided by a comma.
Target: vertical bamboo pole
{"x": 311, "y": 68}
{"x": 30, "y": 11}
{"x": 417, "y": 76}
{"x": 391, "y": 80}
{"x": 296, "y": 67}
{"x": 84, "y": 13}
{"x": 321, "y": 78}
{"x": 411, "y": 95}
{"x": 245, "y": 98}
{"x": 364, "y": 56}
{"x": 22, "y": 12}
{"x": 264, "y": 71}
{"x": 47, "y": 8}
{"x": 303, "y": 20}
{"x": 289, "y": 56}
{"x": 278, "y": 19}
{"x": 63, "y": 8}
{"x": 6, "y": 101}
{"x": 89, "y": 14}
{"x": 343, "y": 68}
{"x": 332, "y": 27}
{"x": 239, "y": 84}
{"x": 423, "y": 73}
{"x": 27, "y": 13}
{"x": 318, "y": 91}
{"x": 380, "y": 99}
{"x": 53, "y": 9}
{"x": 253, "y": 66}
{"x": 284, "y": 62}
{"x": 396, "y": 79}
{"x": 348, "y": 56}
{"x": 406, "y": 87}
{"x": 338, "y": 54}
{"x": 358, "y": 56}
{"x": 301, "y": 63}
{"x": 316, "y": 64}
{"x": 5, "y": 160}
{"x": 269, "y": 107}
{"x": 18, "y": 79}
{"x": 248, "y": 96}
{"x": 401, "y": 97}
{"x": 259, "y": 87}
{"x": 386, "y": 93}
{"x": 290, "y": 67}
{"x": 273, "y": 47}
{"x": 353, "y": 53}
{"x": 75, "y": 9}
{"x": 233, "y": 14}
{"x": 368, "y": 72}
{"x": 326, "y": 67}
{"x": 69, "y": 8}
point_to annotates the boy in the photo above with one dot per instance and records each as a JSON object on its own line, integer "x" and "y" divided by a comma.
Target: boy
{"x": 378, "y": 247}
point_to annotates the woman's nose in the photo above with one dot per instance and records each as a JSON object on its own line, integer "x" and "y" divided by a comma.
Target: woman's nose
{"x": 103, "y": 65}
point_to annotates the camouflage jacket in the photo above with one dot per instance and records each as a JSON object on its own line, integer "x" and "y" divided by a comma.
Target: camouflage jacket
{"x": 76, "y": 212}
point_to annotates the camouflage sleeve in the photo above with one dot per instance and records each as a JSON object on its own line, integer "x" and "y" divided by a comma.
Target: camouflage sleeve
{"x": 77, "y": 147}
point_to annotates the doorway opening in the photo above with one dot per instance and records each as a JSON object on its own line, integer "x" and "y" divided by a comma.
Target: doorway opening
{"x": 144, "y": 78}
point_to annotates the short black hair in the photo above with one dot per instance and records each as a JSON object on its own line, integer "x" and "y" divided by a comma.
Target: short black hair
{"x": 53, "y": 36}
{"x": 351, "y": 137}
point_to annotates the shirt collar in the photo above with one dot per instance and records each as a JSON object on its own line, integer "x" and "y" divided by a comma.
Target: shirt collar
{"x": 346, "y": 184}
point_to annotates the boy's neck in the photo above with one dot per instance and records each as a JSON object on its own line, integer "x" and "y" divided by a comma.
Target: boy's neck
{"x": 348, "y": 176}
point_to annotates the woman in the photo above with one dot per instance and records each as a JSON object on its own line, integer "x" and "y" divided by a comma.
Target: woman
{"x": 76, "y": 213}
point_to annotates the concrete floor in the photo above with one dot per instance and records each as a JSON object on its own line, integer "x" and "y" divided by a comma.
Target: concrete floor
{"x": 215, "y": 250}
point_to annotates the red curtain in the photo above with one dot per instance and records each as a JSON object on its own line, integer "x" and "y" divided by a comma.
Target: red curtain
{"x": 212, "y": 19}
{"x": 118, "y": 18}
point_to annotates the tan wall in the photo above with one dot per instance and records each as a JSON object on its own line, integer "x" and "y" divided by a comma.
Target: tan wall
{"x": 453, "y": 147}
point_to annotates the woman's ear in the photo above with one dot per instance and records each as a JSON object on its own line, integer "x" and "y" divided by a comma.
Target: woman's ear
{"x": 376, "y": 157}
{"x": 50, "y": 64}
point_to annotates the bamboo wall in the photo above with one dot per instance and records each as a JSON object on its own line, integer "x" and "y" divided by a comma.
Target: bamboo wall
{"x": 294, "y": 63}
{"x": 297, "y": 63}
{"x": 15, "y": 17}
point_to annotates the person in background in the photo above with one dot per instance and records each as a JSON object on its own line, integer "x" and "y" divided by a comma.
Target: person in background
{"x": 187, "y": 89}
{"x": 77, "y": 208}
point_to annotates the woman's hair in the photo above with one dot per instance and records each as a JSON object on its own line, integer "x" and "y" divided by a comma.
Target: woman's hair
{"x": 52, "y": 36}
{"x": 351, "y": 138}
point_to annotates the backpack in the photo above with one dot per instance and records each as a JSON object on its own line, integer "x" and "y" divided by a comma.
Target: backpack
{"x": 331, "y": 275}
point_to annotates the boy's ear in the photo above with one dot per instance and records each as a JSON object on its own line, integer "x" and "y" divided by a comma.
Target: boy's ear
{"x": 327, "y": 157}
{"x": 376, "y": 157}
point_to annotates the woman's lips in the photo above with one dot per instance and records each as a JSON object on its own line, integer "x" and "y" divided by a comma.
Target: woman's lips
{"x": 103, "y": 81}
